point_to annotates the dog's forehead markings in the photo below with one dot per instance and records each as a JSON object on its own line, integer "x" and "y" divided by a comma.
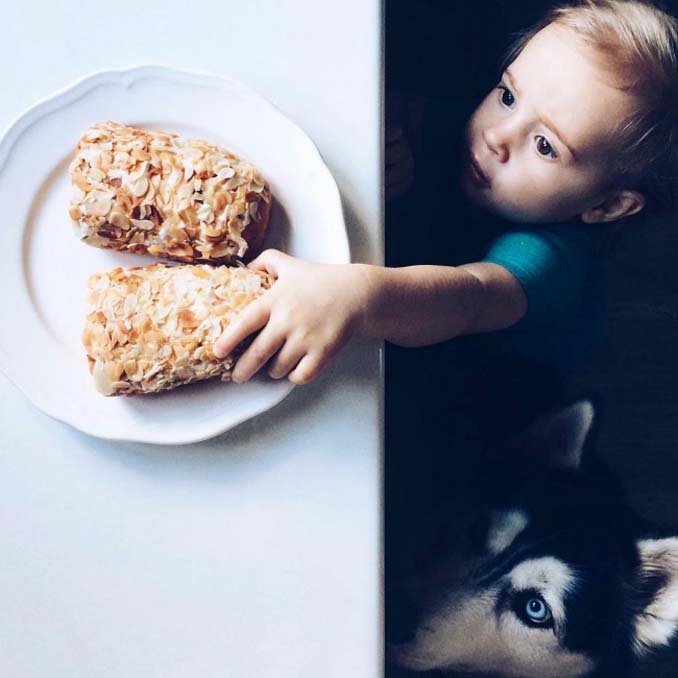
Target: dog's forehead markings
{"x": 504, "y": 528}
{"x": 544, "y": 571}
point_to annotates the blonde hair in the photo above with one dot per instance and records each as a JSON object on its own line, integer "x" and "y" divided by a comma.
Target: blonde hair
{"x": 640, "y": 41}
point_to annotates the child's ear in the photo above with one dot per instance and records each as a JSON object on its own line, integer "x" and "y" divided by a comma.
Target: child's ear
{"x": 616, "y": 206}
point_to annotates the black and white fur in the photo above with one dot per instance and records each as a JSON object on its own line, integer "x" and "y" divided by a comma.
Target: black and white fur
{"x": 544, "y": 571}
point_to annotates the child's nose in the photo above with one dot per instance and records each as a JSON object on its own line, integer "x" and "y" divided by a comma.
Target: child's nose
{"x": 497, "y": 141}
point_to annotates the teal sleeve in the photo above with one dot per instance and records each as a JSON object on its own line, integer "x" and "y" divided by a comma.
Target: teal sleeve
{"x": 559, "y": 270}
{"x": 549, "y": 265}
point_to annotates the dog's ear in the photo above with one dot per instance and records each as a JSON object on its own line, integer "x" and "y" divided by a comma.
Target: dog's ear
{"x": 556, "y": 440}
{"x": 656, "y": 591}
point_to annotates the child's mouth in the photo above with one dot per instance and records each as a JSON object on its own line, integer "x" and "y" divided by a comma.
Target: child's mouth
{"x": 478, "y": 178}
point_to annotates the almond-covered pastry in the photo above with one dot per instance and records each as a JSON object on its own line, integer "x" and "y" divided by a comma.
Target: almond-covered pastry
{"x": 153, "y": 328}
{"x": 160, "y": 194}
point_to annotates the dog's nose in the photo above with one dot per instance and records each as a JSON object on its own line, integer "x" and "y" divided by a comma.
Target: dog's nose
{"x": 402, "y": 616}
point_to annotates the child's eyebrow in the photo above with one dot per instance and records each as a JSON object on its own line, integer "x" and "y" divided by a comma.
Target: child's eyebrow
{"x": 545, "y": 119}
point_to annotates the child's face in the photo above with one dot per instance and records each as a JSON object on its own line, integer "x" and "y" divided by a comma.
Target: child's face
{"x": 539, "y": 145}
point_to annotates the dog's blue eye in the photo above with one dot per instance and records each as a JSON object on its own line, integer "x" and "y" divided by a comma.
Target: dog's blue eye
{"x": 537, "y": 611}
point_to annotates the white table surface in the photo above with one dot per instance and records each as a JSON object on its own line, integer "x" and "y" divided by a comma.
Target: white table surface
{"x": 256, "y": 553}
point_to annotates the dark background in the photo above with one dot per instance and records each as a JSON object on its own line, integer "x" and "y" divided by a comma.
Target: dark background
{"x": 433, "y": 46}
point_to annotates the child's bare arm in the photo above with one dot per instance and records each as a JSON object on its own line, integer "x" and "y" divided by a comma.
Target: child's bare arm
{"x": 314, "y": 308}
{"x": 420, "y": 305}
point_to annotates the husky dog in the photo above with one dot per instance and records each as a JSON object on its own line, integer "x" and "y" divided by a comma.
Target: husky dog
{"x": 547, "y": 573}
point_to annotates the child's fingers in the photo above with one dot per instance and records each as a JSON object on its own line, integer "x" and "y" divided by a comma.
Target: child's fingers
{"x": 305, "y": 371}
{"x": 287, "y": 359}
{"x": 251, "y": 319}
{"x": 257, "y": 355}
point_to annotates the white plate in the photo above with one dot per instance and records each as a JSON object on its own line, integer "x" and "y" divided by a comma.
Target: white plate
{"x": 44, "y": 267}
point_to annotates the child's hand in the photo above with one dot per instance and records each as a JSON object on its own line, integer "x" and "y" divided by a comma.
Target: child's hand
{"x": 305, "y": 318}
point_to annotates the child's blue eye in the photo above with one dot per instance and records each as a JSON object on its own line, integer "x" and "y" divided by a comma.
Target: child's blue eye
{"x": 507, "y": 97}
{"x": 537, "y": 611}
{"x": 544, "y": 147}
